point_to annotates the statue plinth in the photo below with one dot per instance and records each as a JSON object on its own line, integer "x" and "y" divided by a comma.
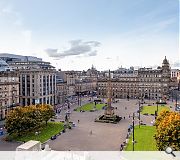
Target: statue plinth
{"x": 109, "y": 115}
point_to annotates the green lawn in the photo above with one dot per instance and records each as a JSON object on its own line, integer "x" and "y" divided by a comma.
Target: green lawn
{"x": 90, "y": 106}
{"x": 144, "y": 138}
{"x": 152, "y": 109}
{"x": 46, "y": 133}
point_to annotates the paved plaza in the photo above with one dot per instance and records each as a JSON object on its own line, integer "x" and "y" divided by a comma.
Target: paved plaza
{"x": 105, "y": 136}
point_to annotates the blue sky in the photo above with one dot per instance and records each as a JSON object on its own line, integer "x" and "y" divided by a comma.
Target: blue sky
{"x": 74, "y": 34}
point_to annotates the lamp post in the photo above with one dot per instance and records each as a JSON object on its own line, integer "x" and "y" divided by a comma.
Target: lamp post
{"x": 80, "y": 99}
{"x": 178, "y": 78}
{"x": 128, "y": 95}
{"x": 37, "y": 134}
{"x": 139, "y": 114}
{"x": 149, "y": 96}
{"x": 133, "y": 132}
{"x": 178, "y": 83}
{"x": 157, "y": 109}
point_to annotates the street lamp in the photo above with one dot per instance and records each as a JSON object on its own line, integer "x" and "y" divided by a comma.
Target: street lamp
{"x": 157, "y": 109}
{"x": 178, "y": 81}
{"x": 128, "y": 95}
{"x": 133, "y": 124}
{"x": 133, "y": 141}
{"x": 139, "y": 114}
{"x": 37, "y": 134}
{"x": 178, "y": 78}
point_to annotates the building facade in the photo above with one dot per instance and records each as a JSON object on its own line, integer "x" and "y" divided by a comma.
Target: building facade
{"x": 9, "y": 92}
{"x": 61, "y": 93}
{"x": 175, "y": 73}
{"x": 37, "y": 86}
{"x": 145, "y": 83}
{"x": 37, "y": 79}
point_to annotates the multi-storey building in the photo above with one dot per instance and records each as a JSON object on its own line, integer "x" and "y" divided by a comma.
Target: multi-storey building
{"x": 142, "y": 83}
{"x": 37, "y": 79}
{"x": 175, "y": 73}
{"x": 85, "y": 87}
{"x": 61, "y": 93}
{"x": 9, "y": 92}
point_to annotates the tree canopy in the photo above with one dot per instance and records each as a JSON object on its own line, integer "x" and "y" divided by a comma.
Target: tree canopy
{"x": 23, "y": 119}
{"x": 168, "y": 130}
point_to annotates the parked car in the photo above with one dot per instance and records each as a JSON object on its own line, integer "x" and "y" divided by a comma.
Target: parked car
{"x": 177, "y": 108}
{"x": 53, "y": 137}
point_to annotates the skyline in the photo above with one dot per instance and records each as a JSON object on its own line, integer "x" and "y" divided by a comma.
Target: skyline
{"x": 73, "y": 35}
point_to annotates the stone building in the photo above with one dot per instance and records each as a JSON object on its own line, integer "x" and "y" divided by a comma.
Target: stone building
{"x": 175, "y": 73}
{"x": 37, "y": 86}
{"x": 85, "y": 87}
{"x": 71, "y": 84}
{"x": 9, "y": 92}
{"x": 145, "y": 83}
{"x": 61, "y": 92}
{"x": 37, "y": 79}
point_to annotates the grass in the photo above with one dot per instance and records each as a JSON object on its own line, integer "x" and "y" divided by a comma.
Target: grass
{"x": 90, "y": 106}
{"x": 152, "y": 109}
{"x": 46, "y": 133}
{"x": 144, "y": 136}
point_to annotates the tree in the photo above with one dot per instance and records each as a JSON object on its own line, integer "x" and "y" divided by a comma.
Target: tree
{"x": 28, "y": 118}
{"x": 168, "y": 130}
{"x": 46, "y": 111}
{"x": 14, "y": 120}
{"x": 23, "y": 119}
{"x": 161, "y": 116}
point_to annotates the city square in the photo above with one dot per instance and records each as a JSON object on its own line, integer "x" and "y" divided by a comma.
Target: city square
{"x": 90, "y": 76}
{"x": 105, "y": 136}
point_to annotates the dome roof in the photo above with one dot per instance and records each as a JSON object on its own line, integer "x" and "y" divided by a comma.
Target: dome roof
{"x": 165, "y": 61}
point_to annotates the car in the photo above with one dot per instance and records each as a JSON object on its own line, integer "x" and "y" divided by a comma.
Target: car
{"x": 177, "y": 108}
{"x": 53, "y": 137}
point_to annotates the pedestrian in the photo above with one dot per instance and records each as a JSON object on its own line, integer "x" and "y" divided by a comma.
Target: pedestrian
{"x": 124, "y": 117}
{"x": 78, "y": 120}
{"x": 127, "y": 136}
{"x": 121, "y": 147}
{"x": 129, "y": 116}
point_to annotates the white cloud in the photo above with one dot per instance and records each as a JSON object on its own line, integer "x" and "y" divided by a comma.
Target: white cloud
{"x": 77, "y": 48}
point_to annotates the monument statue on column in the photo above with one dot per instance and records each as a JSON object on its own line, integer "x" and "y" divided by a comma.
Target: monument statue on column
{"x": 109, "y": 115}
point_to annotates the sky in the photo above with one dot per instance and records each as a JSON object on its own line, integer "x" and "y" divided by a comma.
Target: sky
{"x": 74, "y": 34}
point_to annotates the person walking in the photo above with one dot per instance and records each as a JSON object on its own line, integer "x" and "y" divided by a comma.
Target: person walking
{"x": 78, "y": 120}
